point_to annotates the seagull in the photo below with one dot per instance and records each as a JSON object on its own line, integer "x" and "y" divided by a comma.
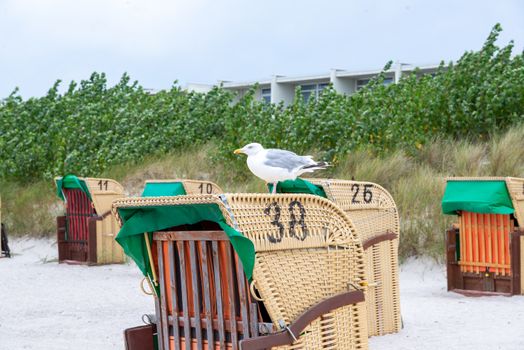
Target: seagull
{"x": 275, "y": 165}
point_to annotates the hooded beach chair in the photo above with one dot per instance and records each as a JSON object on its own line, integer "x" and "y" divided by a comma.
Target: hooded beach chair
{"x": 249, "y": 271}
{"x": 86, "y": 233}
{"x": 483, "y": 249}
{"x": 374, "y": 215}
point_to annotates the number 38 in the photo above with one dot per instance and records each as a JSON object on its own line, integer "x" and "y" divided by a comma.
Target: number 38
{"x": 275, "y": 208}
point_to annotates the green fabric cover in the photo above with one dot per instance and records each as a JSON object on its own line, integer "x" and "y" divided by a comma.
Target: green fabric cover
{"x": 71, "y": 181}
{"x": 298, "y": 186}
{"x": 157, "y": 189}
{"x": 137, "y": 220}
{"x": 488, "y": 197}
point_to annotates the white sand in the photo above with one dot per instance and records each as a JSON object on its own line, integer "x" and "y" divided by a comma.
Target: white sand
{"x": 45, "y": 305}
{"x": 437, "y": 319}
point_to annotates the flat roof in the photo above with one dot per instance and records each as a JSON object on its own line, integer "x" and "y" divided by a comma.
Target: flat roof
{"x": 339, "y": 73}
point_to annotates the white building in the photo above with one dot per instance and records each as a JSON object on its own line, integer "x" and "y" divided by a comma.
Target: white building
{"x": 281, "y": 88}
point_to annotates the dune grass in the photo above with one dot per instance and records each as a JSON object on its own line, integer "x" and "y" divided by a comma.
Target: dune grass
{"x": 416, "y": 182}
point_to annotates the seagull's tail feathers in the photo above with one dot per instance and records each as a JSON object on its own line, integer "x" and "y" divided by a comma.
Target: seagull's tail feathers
{"x": 312, "y": 167}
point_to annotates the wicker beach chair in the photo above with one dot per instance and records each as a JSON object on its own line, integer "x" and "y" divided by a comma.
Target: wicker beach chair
{"x": 87, "y": 231}
{"x": 483, "y": 249}
{"x": 309, "y": 271}
{"x": 374, "y": 214}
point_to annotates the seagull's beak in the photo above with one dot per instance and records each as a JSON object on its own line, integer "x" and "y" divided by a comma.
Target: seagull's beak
{"x": 238, "y": 151}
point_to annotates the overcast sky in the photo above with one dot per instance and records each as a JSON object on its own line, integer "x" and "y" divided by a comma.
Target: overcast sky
{"x": 158, "y": 42}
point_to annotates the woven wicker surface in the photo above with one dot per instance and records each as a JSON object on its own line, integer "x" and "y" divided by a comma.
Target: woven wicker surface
{"x": 193, "y": 186}
{"x": 306, "y": 250}
{"x": 373, "y": 212}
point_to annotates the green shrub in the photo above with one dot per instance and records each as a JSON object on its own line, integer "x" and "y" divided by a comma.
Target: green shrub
{"x": 92, "y": 126}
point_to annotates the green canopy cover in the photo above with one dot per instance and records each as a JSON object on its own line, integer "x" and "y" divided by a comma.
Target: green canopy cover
{"x": 71, "y": 181}
{"x": 298, "y": 186}
{"x": 138, "y": 220}
{"x": 157, "y": 189}
{"x": 488, "y": 197}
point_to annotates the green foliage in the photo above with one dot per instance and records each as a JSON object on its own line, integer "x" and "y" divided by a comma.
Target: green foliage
{"x": 92, "y": 126}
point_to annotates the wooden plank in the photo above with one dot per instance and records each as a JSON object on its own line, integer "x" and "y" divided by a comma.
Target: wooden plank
{"x": 196, "y": 294}
{"x": 511, "y": 230}
{"x": 504, "y": 239}
{"x": 183, "y": 287}
{"x": 474, "y": 234}
{"x": 207, "y": 291}
{"x": 451, "y": 263}
{"x": 231, "y": 298}
{"x": 474, "y": 264}
{"x": 500, "y": 229}
{"x": 515, "y": 263}
{"x": 507, "y": 232}
{"x": 253, "y": 311}
{"x": 469, "y": 241}
{"x": 462, "y": 234}
{"x": 174, "y": 292}
{"x": 163, "y": 302}
{"x": 487, "y": 230}
{"x": 159, "y": 325}
{"x": 242, "y": 287}
{"x": 482, "y": 240}
{"x": 218, "y": 287}
{"x": 190, "y": 236}
{"x": 494, "y": 234}
{"x": 204, "y": 323}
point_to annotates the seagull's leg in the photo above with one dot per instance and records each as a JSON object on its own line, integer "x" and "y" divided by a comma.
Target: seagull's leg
{"x": 274, "y": 188}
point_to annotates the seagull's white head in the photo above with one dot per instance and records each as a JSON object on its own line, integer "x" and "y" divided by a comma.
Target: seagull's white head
{"x": 250, "y": 150}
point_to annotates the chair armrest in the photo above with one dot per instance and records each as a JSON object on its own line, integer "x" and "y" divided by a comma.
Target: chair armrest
{"x": 286, "y": 337}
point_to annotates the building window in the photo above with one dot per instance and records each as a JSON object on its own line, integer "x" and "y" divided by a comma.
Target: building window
{"x": 387, "y": 81}
{"x": 321, "y": 88}
{"x": 312, "y": 90}
{"x": 363, "y": 82}
{"x": 266, "y": 95}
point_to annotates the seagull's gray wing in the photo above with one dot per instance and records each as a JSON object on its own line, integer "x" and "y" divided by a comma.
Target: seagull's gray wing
{"x": 288, "y": 160}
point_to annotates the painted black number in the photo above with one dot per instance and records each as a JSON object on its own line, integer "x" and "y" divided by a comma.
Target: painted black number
{"x": 102, "y": 184}
{"x": 276, "y": 221}
{"x": 368, "y": 195}
{"x": 355, "y": 188}
{"x": 209, "y": 188}
{"x": 301, "y": 221}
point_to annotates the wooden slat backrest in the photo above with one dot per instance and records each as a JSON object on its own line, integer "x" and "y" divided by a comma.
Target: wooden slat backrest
{"x": 78, "y": 209}
{"x": 484, "y": 242}
{"x": 205, "y": 296}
